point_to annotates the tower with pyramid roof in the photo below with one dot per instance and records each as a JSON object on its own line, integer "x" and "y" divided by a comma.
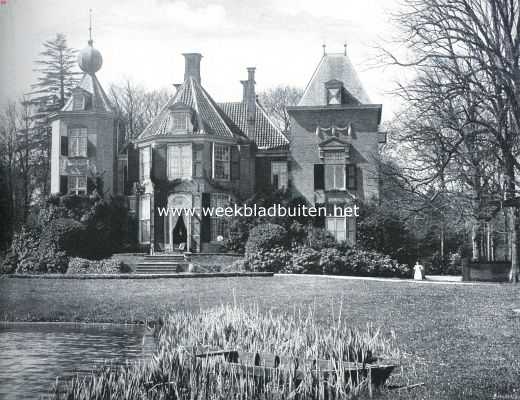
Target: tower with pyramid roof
{"x": 335, "y": 137}
{"x": 84, "y": 135}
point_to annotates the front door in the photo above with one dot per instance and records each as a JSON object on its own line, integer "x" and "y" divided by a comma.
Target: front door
{"x": 179, "y": 233}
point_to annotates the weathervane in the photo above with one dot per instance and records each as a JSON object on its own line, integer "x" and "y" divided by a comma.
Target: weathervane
{"x": 90, "y": 41}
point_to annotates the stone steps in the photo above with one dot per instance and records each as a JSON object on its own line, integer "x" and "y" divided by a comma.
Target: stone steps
{"x": 171, "y": 263}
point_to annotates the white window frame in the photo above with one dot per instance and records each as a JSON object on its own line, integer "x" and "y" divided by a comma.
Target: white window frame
{"x": 145, "y": 163}
{"x": 335, "y": 185}
{"x": 179, "y": 161}
{"x": 280, "y": 169}
{"x": 226, "y": 163}
{"x": 333, "y": 223}
{"x": 144, "y": 218}
{"x": 77, "y": 184}
{"x": 78, "y": 141}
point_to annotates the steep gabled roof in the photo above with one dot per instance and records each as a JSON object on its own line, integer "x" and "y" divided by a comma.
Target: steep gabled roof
{"x": 90, "y": 84}
{"x": 208, "y": 117}
{"x": 266, "y": 135}
{"x": 333, "y": 67}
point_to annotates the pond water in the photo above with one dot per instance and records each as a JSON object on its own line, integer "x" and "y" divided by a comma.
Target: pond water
{"x": 32, "y": 355}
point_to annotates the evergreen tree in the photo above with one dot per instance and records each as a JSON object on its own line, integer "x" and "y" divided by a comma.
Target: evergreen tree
{"x": 57, "y": 70}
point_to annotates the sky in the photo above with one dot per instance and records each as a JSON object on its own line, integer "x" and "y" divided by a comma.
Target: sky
{"x": 144, "y": 41}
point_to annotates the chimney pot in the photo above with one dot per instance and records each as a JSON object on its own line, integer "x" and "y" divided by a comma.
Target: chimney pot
{"x": 192, "y": 66}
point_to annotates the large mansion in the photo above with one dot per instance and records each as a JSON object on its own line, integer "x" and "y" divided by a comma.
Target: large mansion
{"x": 198, "y": 153}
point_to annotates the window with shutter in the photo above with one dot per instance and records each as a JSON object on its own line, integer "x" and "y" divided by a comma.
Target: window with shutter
{"x": 334, "y": 177}
{"x": 221, "y": 161}
{"x": 197, "y": 163}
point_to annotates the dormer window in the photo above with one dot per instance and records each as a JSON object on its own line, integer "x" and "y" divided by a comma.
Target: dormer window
{"x": 78, "y": 102}
{"x": 334, "y": 90}
{"x": 179, "y": 122}
{"x": 334, "y": 96}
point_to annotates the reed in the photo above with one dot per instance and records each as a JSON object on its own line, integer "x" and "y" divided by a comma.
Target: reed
{"x": 173, "y": 371}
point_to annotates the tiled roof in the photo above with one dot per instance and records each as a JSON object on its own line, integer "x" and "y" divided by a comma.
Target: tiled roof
{"x": 333, "y": 66}
{"x": 208, "y": 119}
{"x": 222, "y": 119}
{"x": 266, "y": 135}
{"x": 90, "y": 84}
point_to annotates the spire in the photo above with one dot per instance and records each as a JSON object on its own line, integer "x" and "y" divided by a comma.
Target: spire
{"x": 90, "y": 41}
{"x": 324, "y": 49}
{"x": 345, "y": 48}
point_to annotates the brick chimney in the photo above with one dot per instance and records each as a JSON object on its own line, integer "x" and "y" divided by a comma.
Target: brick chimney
{"x": 249, "y": 99}
{"x": 192, "y": 66}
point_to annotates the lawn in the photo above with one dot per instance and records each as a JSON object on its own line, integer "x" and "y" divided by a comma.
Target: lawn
{"x": 460, "y": 340}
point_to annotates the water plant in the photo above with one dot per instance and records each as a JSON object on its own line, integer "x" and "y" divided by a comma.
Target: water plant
{"x": 174, "y": 372}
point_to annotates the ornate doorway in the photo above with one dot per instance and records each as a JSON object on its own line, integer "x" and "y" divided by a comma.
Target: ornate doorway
{"x": 177, "y": 224}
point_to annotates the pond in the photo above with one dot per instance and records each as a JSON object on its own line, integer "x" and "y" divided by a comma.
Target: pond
{"x": 32, "y": 355}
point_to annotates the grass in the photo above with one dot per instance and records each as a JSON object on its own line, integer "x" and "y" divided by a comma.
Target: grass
{"x": 460, "y": 340}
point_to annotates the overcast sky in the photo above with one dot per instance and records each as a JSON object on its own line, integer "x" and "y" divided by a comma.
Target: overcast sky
{"x": 143, "y": 40}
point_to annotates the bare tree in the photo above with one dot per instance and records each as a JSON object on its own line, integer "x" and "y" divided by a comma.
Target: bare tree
{"x": 136, "y": 106}
{"x": 474, "y": 45}
{"x": 276, "y": 101}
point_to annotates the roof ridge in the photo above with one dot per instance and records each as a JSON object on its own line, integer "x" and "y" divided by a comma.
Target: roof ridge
{"x": 211, "y": 101}
{"x": 312, "y": 78}
{"x": 196, "y": 104}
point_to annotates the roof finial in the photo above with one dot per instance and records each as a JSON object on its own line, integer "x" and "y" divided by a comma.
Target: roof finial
{"x": 324, "y": 49}
{"x": 90, "y": 41}
{"x": 345, "y": 48}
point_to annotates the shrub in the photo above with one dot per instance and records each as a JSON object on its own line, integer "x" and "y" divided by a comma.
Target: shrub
{"x": 270, "y": 260}
{"x": 331, "y": 261}
{"x": 66, "y": 235}
{"x": 319, "y": 238}
{"x": 305, "y": 260}
{"x": 265, "y": 236}
{"x": 8, "y": 264}
{"x": 79, "y": 265}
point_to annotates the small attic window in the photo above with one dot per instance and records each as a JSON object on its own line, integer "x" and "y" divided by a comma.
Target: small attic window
{"x": 78, "y": 102}
{"x": 179, "y": 121}
{"x": 334, "y": 91}
{"x": 334, "y": 96}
